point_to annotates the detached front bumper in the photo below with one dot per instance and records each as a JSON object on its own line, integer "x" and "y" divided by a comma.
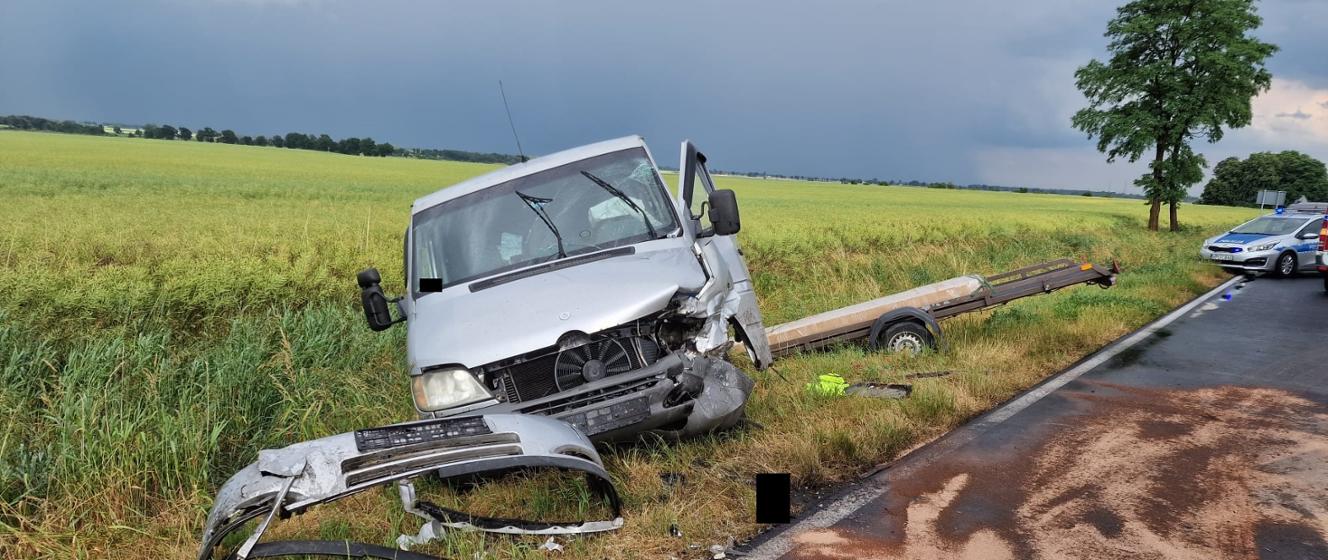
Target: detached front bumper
{"x": 678, "y": 396}
{"x": 1252, "y": 261}
{"x": 292, "y": 479}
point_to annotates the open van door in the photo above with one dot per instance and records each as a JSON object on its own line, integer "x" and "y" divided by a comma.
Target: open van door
{"x": 695, "y": 186}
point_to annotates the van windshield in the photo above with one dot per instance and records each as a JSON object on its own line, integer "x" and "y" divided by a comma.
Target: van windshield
{"x": 1268, "y": 225}
{"x": 512, "y": 225}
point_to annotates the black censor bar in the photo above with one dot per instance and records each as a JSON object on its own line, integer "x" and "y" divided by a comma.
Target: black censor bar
{"x": 772, "y": 498}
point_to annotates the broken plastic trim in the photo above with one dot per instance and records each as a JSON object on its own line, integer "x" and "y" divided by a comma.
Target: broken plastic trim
{"x": 334, "y": 549}
{"x": 462, "y": 520}
{"x": 290, "y": 480}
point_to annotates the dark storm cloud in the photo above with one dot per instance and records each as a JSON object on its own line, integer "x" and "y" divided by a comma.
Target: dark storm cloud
{"x": 963, "y": 91}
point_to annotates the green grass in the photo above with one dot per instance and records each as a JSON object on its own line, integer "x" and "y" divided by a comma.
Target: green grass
{"x": 170, "y": 308}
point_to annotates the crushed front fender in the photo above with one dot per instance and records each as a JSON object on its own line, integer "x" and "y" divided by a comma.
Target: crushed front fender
{"x": 292, "y": 479}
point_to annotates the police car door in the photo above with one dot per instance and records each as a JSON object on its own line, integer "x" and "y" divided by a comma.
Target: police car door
{"x": 1306, "y": 245}
{"x": 694, "y": 190}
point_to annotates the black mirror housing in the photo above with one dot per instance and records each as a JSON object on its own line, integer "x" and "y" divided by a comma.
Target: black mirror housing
{"x": 724, "y": 212}
{"x": 368, "y": 277}
{"x": 376, "y": 311}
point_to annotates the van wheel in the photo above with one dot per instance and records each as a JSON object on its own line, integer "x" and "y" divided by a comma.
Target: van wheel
{"x": 908, "y": 337}
{"x": 1286, "y": 265}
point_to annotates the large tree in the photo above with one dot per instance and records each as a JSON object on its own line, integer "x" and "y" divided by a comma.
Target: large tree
{"x": 1236, "y": 182}
{"x": 1179, "y": 69}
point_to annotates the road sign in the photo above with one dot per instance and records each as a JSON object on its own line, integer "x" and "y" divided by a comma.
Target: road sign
{"x": 1271, "y": 198}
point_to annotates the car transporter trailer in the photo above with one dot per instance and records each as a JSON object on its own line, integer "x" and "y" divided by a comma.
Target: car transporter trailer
{"x": 909, "y": 321}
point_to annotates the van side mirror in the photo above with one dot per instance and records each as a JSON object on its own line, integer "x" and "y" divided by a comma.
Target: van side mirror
{"x": 376, "y": 312}
{"x": 1309, "y": 235}
{"x": 724, "y": 212}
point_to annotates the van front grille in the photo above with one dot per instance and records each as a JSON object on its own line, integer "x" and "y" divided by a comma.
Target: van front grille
{"x": 545, "y": 374}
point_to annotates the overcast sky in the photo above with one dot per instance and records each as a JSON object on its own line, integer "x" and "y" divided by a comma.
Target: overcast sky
{"x": 958, "y": 90}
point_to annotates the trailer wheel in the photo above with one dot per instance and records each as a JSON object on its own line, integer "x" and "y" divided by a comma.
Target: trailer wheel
{"x": 905, "y": 336}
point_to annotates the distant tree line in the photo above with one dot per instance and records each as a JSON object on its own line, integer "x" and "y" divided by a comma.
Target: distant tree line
{"x": 293, "y": 140}
{"x": 24, "y": 122}
{"x": 458, "y": 155}
{"x": 928, "y": 184}
{"x": 1236, "y": 182}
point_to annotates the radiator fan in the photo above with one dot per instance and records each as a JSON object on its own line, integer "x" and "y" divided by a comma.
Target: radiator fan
{"x": 591, "y": 362}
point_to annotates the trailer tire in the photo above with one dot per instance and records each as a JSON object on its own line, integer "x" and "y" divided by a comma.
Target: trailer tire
{"x": 905, "y": 336}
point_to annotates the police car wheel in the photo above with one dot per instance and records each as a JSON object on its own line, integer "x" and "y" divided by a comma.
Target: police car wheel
{"x": 1286, "y": 264}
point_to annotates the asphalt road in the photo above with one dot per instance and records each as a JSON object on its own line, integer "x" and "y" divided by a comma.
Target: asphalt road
{"x": 1205, "y": 436}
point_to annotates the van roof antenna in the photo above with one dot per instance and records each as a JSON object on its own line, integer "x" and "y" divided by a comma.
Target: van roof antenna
{"x": 521, "y": 153}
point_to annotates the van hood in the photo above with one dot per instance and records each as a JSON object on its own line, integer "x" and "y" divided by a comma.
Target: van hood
{"x": 457, "y": 326}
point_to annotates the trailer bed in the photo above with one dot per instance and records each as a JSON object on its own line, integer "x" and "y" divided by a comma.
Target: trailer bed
{"x": 940, "y": 300}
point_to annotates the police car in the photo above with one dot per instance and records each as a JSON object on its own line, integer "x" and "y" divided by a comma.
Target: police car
{"x": 1283, "y": 243}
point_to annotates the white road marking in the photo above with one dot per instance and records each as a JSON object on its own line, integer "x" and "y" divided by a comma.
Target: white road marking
{"x": 828, "y": 515}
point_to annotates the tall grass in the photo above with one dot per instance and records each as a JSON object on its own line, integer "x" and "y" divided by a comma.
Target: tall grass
{"x": 172, "y": 307}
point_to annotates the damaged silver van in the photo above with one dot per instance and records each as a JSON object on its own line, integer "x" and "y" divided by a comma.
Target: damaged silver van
{"x": 577, "y": 286}
{"x": 552, "y": 304}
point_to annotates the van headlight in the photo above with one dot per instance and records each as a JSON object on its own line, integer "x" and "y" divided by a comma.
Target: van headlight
{"x": 446, "y": 388}
{"x": 1263, "y": 247}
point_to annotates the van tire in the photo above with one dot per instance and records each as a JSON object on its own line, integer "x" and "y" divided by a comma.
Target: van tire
{"x": 906, "y": 336}
{"x": 1286, "y": 265}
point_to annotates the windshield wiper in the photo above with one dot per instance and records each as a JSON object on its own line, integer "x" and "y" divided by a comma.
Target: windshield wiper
{"x": 536, "y": 205}
{"x": 623, "y": 197}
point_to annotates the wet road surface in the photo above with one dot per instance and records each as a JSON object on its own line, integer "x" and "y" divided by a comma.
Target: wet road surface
{"x": 1208, "y": 438}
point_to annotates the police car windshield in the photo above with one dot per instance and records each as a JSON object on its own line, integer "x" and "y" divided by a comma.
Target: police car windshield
{"x": 1269, "y": 225}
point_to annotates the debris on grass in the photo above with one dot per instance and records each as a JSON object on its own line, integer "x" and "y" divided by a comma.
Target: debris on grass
{"x": 828, "y": 384}
{"x": 927, "y": 374}
{"x": 551, "y": 546}
{"x": 672, "y": 479}
{"x": 832, "y": 385}
{"x": 880, "y": 390}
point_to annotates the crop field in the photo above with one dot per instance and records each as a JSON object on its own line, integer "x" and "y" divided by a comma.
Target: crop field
{"x": 170, "y": 308}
